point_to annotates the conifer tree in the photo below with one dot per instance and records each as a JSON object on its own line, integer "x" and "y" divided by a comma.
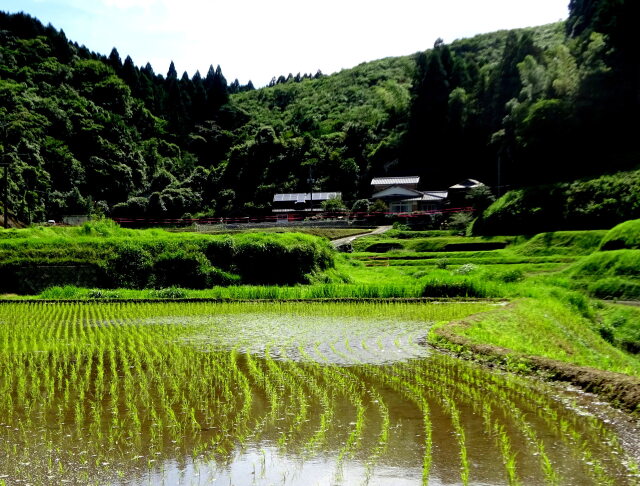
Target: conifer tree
{"x": 114, "y": 60}
{"x": 172, "y": 73}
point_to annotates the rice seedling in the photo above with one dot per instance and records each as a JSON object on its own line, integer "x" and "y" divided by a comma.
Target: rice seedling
{"x": 116, "y": 392}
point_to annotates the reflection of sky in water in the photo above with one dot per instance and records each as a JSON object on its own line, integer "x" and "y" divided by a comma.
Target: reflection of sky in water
{"x": 336, "y": 340}
{"x": 268, "y": 466}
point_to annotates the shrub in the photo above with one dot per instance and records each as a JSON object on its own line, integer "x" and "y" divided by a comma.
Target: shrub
{"x": 460, "y": 221}
{"x": 220, "y": 252}
{"x": 169, "y": 293}
{"x": 586, "y": 204}
{"x": 66, "y": 292}
{"x": 130, "y": 267}
{"x": 183, "y": 269}
{"x": 442, "y": 263}
{"x": 267, "y": 259}
{"x": 360, "y": 206}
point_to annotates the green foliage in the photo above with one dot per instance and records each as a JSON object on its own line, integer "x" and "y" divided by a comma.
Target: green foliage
{"x": 89, "y": 133}
{"x": 451, "y": 287}
{"x": 131, "y": 266}
{"x": 143, "y": 258}
{"x": 333, "y": 204}
{"x": 460, "y": 221}
{"x": 587, "y": 204}
{"x": 181, "y": 268}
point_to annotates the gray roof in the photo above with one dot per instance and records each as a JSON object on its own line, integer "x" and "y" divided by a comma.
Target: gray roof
{"x": 301, "y": 197}
{"x": 436, "y": 196}
{"x": 467, "y": 184}
{"x": 390, "y": 181}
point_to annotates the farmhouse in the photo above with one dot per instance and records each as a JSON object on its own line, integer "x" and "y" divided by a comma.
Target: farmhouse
{"x": 302, "y": 201}
{"x": 401, "y": 194}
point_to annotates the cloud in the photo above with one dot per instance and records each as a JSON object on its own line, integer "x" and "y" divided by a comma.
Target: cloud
{"x": 129, "y": 4}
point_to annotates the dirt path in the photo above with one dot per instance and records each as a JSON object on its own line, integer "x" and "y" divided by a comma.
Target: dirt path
{"x": 349, "y": 239}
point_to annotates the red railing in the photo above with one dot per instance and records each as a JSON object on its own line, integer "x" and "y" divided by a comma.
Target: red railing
{"x": 283, "y": 218}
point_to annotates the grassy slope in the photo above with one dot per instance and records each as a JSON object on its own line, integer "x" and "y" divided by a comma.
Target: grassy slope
{"x": 549, "y": 318}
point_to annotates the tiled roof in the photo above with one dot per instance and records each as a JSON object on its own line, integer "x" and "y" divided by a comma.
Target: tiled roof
{"x": 389, "y": 181}
{"x": 301, "y": 197}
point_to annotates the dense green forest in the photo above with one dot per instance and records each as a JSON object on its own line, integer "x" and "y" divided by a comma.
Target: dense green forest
{"x": 85, "y": 132}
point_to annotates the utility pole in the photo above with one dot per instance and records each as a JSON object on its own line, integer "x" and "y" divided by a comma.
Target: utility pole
{"x": 310, "y": 180}
{"x": 5, "y": 199}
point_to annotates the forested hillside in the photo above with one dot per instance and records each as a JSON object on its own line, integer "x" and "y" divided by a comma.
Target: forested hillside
{"x": 88, "y": 132}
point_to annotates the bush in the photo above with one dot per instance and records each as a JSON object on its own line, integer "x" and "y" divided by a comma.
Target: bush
{"x": 460, "y": 221}
{"x": 267, "y": 259}
{"x": 465, "y": 269}
{"x": 182, "y": 269}
{"x": 66, "y": 292}
{"x": 220, "y": 252}
{"x": 360, "y": 206}
{"x": 130, "y": 267}
{"x": 169, "y": 293}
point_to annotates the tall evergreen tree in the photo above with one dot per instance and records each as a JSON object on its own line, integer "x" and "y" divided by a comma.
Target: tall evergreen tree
{"x": 114, "y": 60}
{"x": 172, "y": 73}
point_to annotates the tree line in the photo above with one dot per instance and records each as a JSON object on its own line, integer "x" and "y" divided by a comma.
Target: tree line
{"x": 84, "y": 132}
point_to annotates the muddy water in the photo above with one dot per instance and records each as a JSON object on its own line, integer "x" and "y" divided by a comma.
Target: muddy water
{"x": 320, "y": 400}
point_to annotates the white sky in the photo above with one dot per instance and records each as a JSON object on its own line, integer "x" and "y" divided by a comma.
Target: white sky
{"x": 259, "y": 39}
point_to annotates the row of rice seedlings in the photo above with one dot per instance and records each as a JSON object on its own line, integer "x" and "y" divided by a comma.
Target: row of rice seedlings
{"x": 589, "y": 430}
{"x": 597, "y": 472}
{"x": 444, "y": 381}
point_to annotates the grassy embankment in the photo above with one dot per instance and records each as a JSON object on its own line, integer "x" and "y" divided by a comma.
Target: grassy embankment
{"x": 104, "y": 255}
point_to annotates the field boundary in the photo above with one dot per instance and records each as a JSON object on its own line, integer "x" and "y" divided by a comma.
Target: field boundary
{"x": 622, "y": 391}
{"x": 380, "y": 300}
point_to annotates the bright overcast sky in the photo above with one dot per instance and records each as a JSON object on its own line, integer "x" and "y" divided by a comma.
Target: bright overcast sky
{"x": 259, "y": 39}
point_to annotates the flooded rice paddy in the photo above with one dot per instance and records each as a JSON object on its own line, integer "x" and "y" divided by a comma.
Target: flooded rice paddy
{"x": 278, "y": 394}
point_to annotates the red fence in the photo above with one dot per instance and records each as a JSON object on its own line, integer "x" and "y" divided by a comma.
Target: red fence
{"x": 283, "y": 218}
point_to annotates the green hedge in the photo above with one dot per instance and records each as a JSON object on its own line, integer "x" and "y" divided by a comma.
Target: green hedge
{"x": 141, "y": 259}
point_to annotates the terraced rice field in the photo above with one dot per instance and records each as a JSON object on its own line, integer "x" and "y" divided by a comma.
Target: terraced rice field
{"x": 291, "y": 393}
